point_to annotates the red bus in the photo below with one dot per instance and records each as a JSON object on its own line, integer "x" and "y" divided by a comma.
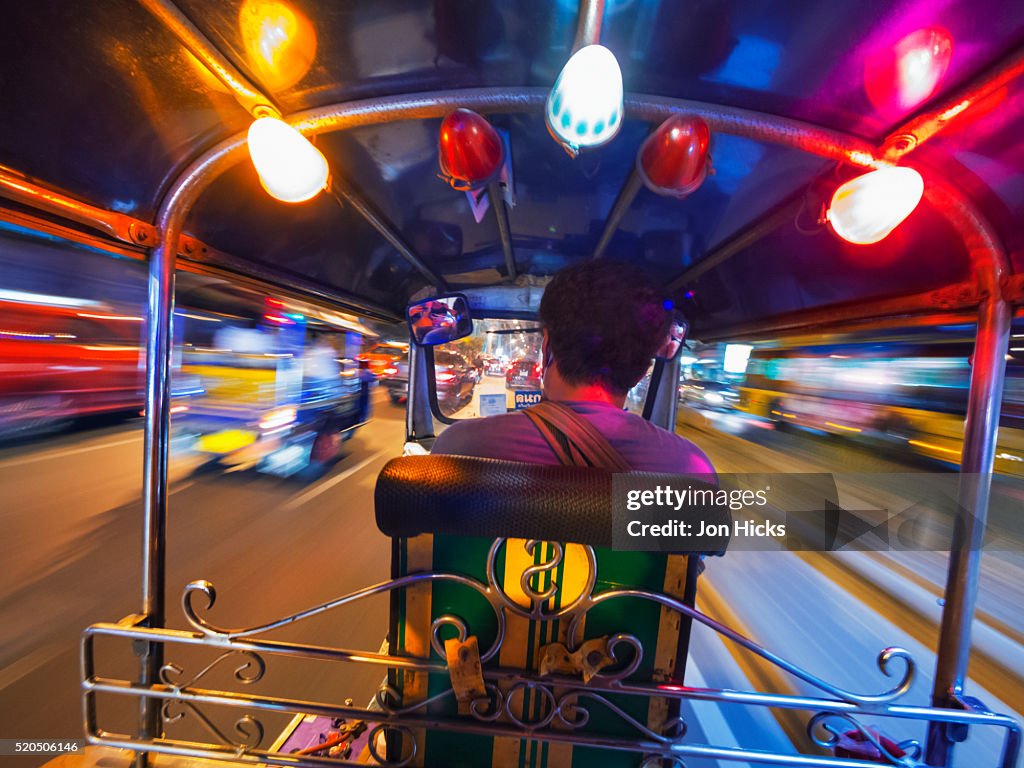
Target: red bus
{"x": 63, "y": 358}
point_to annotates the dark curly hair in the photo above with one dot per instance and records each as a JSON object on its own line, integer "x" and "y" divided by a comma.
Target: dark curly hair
{"x": 605, "y": 320}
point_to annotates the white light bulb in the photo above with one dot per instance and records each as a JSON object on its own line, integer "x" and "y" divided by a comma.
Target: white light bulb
{"x": 584, "y": 108}
{"x": 291, "y": 169}
{"x": 866, "y": 209}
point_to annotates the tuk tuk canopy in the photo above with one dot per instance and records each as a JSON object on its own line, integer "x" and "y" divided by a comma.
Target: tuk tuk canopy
{"x": 105, "y": 103}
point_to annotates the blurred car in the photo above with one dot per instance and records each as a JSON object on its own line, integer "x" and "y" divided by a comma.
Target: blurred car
{"x": 395, "y": 379}
{"x": 524, "y": 373}
{"x": 454, "y": 376}
{"x": 384, "y": 355}
{"x": 59, "y": 362}
{"x": 713, "y": 395}
{"x": 495, "y": 366}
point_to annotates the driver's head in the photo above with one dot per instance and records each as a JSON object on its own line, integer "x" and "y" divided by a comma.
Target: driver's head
{"x": 604, "y": 321}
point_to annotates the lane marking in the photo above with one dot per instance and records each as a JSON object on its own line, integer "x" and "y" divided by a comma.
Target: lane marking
{"x": 4, "y": 464}
{"x": 990, "y": 673}
{"x": 935, "y": 590}
{"x": 297, "y": 501}
{"x": 29, "y": 663}
{"x": 182, "y": 487}
{"x": 763, "y": 675}
{"x": 714, "y": 724}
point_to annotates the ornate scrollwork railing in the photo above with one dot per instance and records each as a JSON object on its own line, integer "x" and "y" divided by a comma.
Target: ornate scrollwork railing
{"x": 250, "y": 672}
{"x": 249, "y": 729}
{"x": 562, "y": 703}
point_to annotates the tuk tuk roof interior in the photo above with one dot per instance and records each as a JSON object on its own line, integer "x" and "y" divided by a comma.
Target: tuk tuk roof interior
{"x": 103, "y": 102}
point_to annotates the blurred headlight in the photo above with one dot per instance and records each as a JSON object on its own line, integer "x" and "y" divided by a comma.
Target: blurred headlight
{"x": 713, "y": 397}
{"x": 279, "y": 417}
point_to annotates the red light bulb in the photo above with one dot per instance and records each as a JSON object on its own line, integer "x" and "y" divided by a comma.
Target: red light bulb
{"x": 906, "y": 75}
{"x": 673, "y": 159}
{"x": 470, "y": 151}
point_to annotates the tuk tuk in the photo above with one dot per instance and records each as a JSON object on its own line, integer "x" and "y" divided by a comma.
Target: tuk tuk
{"x": 803, "y": 168}
{"x": 275, "y": 393}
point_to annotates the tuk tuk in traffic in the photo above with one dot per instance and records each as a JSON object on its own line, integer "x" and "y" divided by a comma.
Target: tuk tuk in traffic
{"x": 810, "y": 168}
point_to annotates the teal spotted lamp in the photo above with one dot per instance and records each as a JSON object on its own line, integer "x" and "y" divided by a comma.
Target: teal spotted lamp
{"x": 584, "y": 109}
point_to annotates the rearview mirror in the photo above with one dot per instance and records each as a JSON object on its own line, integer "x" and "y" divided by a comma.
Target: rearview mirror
{"x": 673, "y": 340}
{"x": 439, "y": 320}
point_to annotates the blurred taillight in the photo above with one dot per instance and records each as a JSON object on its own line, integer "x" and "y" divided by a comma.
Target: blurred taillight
{"x": 389, "y": 372}
{"x": 444, "y": 376}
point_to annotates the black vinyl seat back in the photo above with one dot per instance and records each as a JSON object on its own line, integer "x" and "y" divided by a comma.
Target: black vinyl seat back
{"x": 493, "y": 521}
{"x": 464, "y": 496}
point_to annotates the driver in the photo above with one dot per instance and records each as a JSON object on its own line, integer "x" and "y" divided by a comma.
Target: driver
{"x": 603, "y": 323}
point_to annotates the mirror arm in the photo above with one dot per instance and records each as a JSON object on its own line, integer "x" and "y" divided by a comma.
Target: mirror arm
{"x": 418, "y": 423}
{"x": 431, "y": 390}
{"x": 663, "y": 394}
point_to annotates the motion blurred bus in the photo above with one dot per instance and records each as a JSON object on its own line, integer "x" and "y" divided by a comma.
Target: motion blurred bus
{"x": 63, "y": 358}
{"x": 902, "y": 388}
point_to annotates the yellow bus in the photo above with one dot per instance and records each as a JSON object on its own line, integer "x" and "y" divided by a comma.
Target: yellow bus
{"x": 904, "y": 389}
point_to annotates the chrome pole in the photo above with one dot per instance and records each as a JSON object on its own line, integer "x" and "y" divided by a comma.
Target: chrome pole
{"x": 246, "y": 93}
{"x": 622, "y": 203}
{"x": 160, "y": 313}
{"x": 504, "y": 231}
{"x": 947, "y": 111}
{"x": 588, "y": 31}
{"x": 980, "y": 434}
{"x": 345, "y": 191}
{"x": 981, "y": 429}
{"x": 662, "y": 400}
{"x": 23, "y": 190}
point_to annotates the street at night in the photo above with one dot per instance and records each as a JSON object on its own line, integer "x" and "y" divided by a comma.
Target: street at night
{"x": 275, "y": 546}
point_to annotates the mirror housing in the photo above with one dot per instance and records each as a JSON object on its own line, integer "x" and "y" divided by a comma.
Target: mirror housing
{"x": 439, "y": 319}
{"x": 674, "y": 339}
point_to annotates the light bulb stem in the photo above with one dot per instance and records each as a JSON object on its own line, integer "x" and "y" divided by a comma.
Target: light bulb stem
{"x": 589, "y": 30}
{"x": 265, "y": 110}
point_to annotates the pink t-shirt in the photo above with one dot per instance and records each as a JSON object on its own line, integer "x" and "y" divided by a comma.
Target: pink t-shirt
{"x": 513, "y": 437}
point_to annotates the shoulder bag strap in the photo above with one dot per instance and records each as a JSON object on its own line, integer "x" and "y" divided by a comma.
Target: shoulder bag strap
{"x": 574, "y": 440}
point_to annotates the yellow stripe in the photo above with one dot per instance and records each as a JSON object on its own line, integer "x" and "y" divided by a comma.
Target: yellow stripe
{"x": 933, "y": 447}
{"x": 505, "y": 753}
{"x": 843, "y": 426}
{"x": 988, "y": 672}
{"x": 229, "y": 372}
{"x": 519, "y": 638}
{"x": 419, "y": 558}
{"x": 762, "y": 675}
{"x": 667, "y": 643}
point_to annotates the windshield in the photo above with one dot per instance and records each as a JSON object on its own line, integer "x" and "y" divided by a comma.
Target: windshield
{"x": 494, "y": 370}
